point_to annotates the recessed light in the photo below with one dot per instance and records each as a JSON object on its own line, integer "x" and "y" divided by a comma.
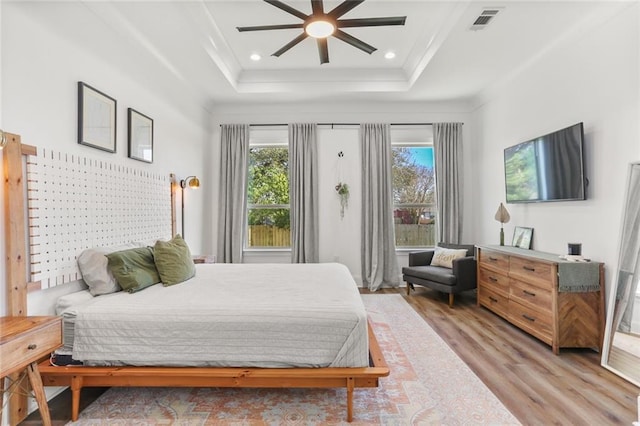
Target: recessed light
{"x": 255, "y": 57}
{"x": 390, "y": 55}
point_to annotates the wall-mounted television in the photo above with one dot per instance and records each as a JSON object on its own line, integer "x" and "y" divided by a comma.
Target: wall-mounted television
{"x": 547, "y": 168}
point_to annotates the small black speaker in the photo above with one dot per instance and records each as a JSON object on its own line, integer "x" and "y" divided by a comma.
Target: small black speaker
{"x": 575, "y": 249}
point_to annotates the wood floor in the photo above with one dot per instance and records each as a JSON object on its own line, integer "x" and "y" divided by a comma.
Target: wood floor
{"x": 538, "y": 387}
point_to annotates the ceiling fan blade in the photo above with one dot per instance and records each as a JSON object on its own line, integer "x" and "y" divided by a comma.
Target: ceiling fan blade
{"x": 349, "y": 39}
{"x": 344, "y": 7}
{"x": 316, "y": 7}
{"x": 290, "y": 44}
{"x": 270, "y": 27}
{"x": 323, "y": 50}
{"x": 287, "y": 8}
{"x": 371, "y": 22}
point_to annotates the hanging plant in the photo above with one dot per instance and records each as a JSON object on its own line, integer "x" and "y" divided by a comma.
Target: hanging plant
{"x": 343, "y": 192}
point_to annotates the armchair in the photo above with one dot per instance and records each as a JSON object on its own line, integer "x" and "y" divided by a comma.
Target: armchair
{"x": 461, "y": 277}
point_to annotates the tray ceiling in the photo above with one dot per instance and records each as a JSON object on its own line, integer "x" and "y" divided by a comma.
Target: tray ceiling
{"x": 194, "y": 46}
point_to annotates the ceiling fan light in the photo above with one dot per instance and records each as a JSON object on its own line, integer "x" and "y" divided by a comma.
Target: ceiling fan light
{"x": 320, "y": 29}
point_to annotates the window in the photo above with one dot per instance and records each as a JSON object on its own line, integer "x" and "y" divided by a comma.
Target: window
{"x": 268, "y": 197}
{"x": 414, "y": 194}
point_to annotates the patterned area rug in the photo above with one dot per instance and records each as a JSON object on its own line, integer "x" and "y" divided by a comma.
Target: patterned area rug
{"x": 428, "y": 385}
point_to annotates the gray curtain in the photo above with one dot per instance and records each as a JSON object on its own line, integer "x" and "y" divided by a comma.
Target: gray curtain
{"x": 379, "y": 261}
{"x": 303, "y": 192}
{"x": 234, "y": 159}
{"x": 447, "y": 145}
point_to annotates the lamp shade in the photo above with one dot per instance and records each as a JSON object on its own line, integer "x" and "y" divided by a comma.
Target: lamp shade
{"x": 191, "y": 181}
{"x": 194, "y": 183}
{"x": 502, "y": 215}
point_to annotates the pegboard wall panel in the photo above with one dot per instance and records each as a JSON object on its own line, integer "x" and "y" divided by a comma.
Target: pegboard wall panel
{"x": 75, "y": 203}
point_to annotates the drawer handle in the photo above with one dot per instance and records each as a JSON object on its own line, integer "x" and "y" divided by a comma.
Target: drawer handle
{"x": 493, "y": 299}
{"x": 494, "y": 279}
{"x": 528, "y": 293}
{"x": 528, "y": 318}
{"x": 493, "y": 259}
{"x": 529, "y": 268}
{"x": 32, "y": 346}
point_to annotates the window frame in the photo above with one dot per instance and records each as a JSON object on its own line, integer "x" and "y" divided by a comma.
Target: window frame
{"x": 265, "y": 139}
{"x": 413, "y": 143}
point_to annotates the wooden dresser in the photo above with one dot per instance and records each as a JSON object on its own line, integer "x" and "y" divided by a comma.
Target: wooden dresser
{"x": 23, "y": 342}
{"x": 525, "y": 287}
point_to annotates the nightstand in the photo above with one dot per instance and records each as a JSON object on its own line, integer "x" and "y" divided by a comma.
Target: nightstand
{"x": 23, "y": 341}
{"x": 204, "y": 259}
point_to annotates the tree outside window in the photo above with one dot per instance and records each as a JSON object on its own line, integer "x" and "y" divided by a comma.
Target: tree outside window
{"x": 268, "y": 197}
{"x": 414, "y": 195}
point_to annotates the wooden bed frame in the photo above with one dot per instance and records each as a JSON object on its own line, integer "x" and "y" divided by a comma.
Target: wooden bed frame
{"x": 78, "y": 377}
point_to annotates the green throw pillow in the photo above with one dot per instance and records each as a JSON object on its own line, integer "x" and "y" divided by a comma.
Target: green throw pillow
{"x": 173, "y": 260}
{"x": 134, "y": 269}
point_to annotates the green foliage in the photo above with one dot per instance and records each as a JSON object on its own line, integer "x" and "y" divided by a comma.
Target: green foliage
{"x": 268, "y": 185}
{"x": 413, "y": 183}
{"x": 342, "y": 188}
{"x": 521, "y": 167}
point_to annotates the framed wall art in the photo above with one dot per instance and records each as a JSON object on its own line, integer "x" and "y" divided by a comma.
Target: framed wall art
{"x": 522, "y": 237}
{"x": 96, "y": 118}
{"x": 140, "y": 136}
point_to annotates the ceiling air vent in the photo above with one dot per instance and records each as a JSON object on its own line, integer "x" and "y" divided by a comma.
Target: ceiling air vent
{"x": 484, "y": 18}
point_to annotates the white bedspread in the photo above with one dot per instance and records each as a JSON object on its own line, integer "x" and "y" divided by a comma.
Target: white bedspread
{"x": 230, "y": 315}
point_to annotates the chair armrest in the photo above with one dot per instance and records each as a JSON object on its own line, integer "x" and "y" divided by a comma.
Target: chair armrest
{"x": 465, "y": 269}
{"x": 421, "y": 258}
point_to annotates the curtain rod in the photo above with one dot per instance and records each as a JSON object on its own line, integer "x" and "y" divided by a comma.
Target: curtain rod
{"x": 341, "y": 124}
{"x": 336, "y": 124}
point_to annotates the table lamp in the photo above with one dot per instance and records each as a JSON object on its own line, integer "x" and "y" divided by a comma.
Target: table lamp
{"x": 502, "y": 216}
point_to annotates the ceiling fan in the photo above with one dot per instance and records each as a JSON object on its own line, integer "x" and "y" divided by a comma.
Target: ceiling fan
{"x": 321, "y": 25}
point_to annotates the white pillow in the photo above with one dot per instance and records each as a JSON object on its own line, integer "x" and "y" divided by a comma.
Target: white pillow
{"x": 93, "y": 265}
{"x": 445, "y": 257}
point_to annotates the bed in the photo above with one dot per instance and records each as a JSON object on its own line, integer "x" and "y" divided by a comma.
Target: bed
{"x": 310, "y": 300}
{"x": 274, "y": 325}
{"x": 229, "y": 315}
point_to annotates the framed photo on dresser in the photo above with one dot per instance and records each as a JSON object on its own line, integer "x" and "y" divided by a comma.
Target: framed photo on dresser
{"x": 522, "y": 237}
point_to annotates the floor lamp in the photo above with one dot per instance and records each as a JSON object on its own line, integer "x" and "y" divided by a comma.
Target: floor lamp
{"x": 192, "y": 182}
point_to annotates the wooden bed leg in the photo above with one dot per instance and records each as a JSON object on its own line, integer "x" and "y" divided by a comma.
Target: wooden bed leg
{"x": 76, "y": 387}
{"x": 350, "y": 387}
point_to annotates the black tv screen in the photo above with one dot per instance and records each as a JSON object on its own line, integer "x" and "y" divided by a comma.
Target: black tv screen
{"x": 547, "y": 168}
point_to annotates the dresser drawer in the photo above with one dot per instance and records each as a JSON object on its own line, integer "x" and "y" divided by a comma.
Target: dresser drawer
{"x": 532, "y": 296}
{"x": 493, "y": 301}
{"x": 540, "y": 274}
{"x": 493, "y": 260}
{"x": 30, "y": 346}
{"x": 493, "y": 280}
{"x": 532, "y": 321}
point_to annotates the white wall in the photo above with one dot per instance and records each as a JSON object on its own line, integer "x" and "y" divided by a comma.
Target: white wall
{"x": 340, "y": 239}
{"x": 592, "y": 77}
{"x": 40, "y": 70}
